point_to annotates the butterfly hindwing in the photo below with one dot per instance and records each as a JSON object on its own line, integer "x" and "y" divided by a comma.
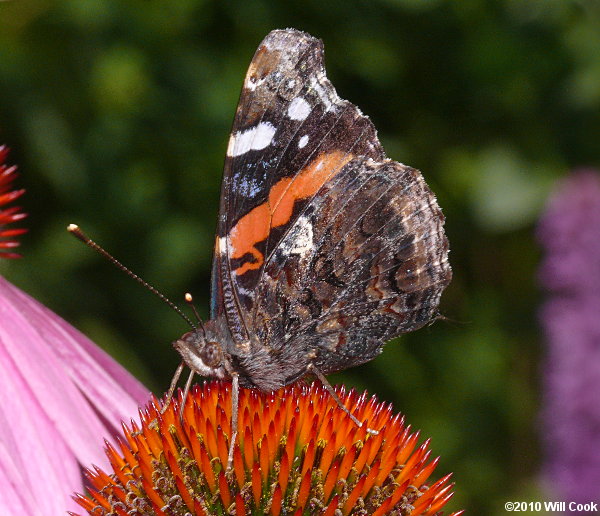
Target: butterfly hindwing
{"x": 365, "y": 261}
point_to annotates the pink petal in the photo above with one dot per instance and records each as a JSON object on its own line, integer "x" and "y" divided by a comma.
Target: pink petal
{"x": 37, "y": 469}
{"x": 63, "y": 396}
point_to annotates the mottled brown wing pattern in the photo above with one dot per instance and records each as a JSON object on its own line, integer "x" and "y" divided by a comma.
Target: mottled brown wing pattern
{"x": 292, "y": 134}
{"x": 365, "y": 260}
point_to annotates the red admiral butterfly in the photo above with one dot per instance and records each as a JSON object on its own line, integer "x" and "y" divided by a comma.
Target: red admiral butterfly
{"x": 325, "y": 248}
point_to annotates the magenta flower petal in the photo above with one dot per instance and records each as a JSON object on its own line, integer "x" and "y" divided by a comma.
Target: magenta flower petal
{"x": 36, "y": 464}
{"x": 61, "y": 395}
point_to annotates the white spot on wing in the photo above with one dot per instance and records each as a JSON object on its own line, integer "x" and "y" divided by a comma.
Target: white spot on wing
{"x": 323, "y": 94}
{"x": 222, "y": 246}
{"x": 254, "y": 138}
{"x": 301, "y": 237}
{"x": 252, "y": 83}
{"x": 298, "y": 109}
{"x": 303, "y": 141}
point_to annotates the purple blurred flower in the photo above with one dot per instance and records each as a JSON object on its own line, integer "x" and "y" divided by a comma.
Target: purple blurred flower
{"x": 570, "y": 233}
{"x": 60, "y": 396}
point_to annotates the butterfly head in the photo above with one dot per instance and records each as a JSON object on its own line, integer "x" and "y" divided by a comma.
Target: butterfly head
{"x": 202, "y": 353}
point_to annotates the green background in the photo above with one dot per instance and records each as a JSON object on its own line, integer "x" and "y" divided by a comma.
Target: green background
{"x": 118, "y": 114}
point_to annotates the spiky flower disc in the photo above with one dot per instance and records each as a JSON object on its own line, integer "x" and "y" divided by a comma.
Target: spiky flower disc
{"x": 297, "y": 453}
{"x": 11, "y": 214}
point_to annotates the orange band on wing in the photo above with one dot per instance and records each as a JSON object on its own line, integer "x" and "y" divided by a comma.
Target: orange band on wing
{"x": 255, "y": 226}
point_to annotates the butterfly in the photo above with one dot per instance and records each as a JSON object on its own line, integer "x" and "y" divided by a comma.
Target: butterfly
{"x": 325, "y": 248}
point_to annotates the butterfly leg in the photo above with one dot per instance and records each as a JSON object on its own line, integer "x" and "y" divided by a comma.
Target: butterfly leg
{"x": 171, "y": 390}
{"x": 312, "y": 369}
{"x": 235, "y": 401}
{"x": 186, "y": 391}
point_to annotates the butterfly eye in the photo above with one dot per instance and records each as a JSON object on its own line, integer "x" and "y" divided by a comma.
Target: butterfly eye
{"x": 212, "y": 355}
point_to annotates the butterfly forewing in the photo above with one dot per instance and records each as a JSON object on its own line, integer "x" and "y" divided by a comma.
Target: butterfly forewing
{"x": 291, "y": 134}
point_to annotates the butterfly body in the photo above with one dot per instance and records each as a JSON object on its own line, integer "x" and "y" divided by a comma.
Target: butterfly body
{"x": 325, "y": 247}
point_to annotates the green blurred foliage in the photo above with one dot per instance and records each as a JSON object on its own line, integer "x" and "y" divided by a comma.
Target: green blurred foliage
{"x": 118, "y": 114}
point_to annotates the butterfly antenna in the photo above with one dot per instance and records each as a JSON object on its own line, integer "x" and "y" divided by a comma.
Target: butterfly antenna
{"x": 75, "y": 230}
{"x": 190, "y": 301}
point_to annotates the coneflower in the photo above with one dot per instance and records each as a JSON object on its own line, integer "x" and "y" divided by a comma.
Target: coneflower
{"x": 60, "y": 393}
{"x": 12, "y": 214}
{"x": 298, "y": 453}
